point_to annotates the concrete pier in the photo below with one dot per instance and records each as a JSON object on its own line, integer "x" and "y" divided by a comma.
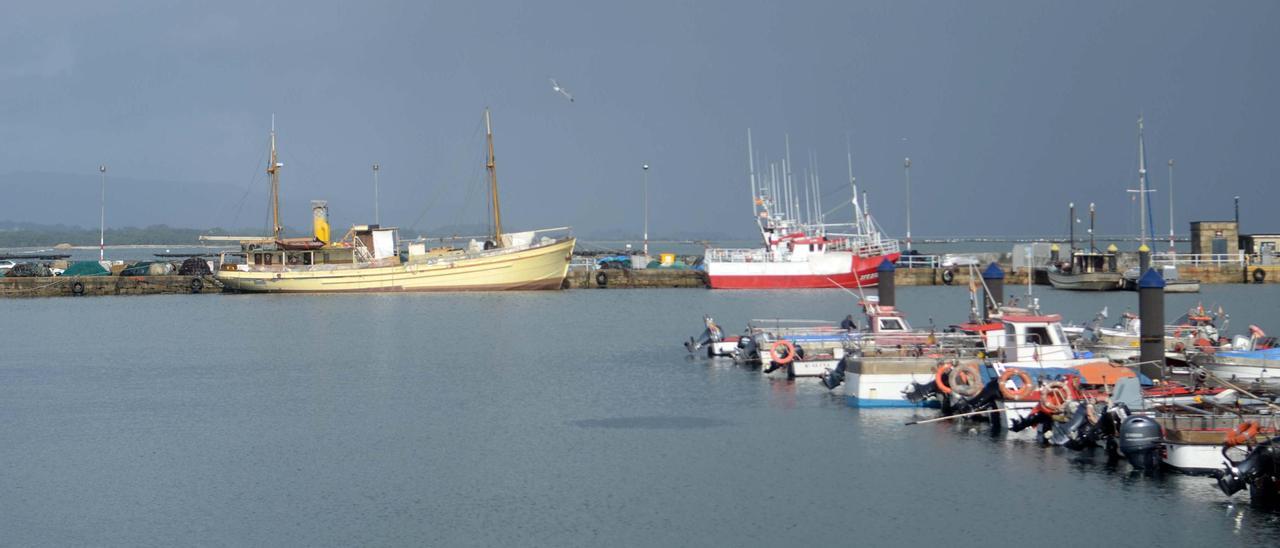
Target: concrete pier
{"x": 77, "y": 286}
{"x": 617, "y": 278}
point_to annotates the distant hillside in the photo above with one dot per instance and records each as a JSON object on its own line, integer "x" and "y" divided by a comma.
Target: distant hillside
{"x": 73, "y": 199}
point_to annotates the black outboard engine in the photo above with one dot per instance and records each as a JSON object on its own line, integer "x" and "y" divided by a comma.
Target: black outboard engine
{"x": 983, "y": 400}
{"x": 1258, "y": 471}
{"x": 1037, "y": 418}
{"x": 916, "y": 392}
{"x": 1140, "y": 439}
{"x": 833, "y": 377}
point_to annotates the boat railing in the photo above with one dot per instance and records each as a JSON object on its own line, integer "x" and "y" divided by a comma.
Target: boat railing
{"x": 739, "y": 255}
{"x": 582, "y": 263}
{"x": 1174, "y": 259}
{"x": 919, "y": 261}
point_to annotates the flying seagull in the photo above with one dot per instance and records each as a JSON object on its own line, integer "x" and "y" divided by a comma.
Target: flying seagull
{"x": 555, "y": 86}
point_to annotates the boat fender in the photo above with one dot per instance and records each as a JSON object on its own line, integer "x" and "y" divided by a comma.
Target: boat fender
{"x": 940, "y": 378}
{"x": 1054, "y": 396}
{"x": 196, "y": 285}
{"x": 1243, "y": 433}
{"x": 1259, "y": 275}
{"x": 948, "y": 276}
{"x": 965, "y": 380}
{"x": 783, "y": 345}
{"x": 602, "y": 278}
{"x": 1021, "y": 393}
{"x": 77, "y": 288}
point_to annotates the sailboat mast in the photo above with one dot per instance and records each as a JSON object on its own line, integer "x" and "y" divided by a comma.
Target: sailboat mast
{"x": 493, "y": 182}
{"x": 274, "y": 170}
{"x": 1142, "y": 185}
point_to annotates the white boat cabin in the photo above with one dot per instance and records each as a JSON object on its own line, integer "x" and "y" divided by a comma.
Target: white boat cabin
{"x": 1035, "y": 338}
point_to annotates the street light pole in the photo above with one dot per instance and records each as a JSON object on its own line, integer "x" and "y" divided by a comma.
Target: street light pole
{"x": 102, "y": 215}
{"x": 376, "y": 220}
{"x": 645, "y": 168}
{"x": 906, "y": 166}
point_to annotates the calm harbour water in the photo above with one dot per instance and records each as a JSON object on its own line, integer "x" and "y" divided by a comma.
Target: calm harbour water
{"x": 542, "y": 418}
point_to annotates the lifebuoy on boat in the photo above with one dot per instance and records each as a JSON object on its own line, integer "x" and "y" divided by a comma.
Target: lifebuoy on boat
{"x": 940, "y": 378}
{"x": 783, "y": 345}
{"x": 1259, "y": 275}
{"x": 1021, "y": 393}
{"x": 1243, "y": 433}
{"x": 966, "y": 380}
{"x": 1205, "y": 345}
{"x": 1054, "y": 396}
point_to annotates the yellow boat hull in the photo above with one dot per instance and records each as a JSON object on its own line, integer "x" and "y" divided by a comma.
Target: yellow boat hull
{"x": 539, "y": 267}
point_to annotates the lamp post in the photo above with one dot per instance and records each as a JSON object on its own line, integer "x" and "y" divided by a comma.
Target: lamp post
{"x": 376, "y": 221}
{"x": 102, "y": 215}
{"x": 906, "y": 167}
{"x": 645, "y": 168}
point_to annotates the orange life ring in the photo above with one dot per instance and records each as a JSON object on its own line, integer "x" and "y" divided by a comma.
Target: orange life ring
{"x": 1205, "y": 345}
{"x": 965, "y": 379}
{"x": 939, "y": 378}
{"x": 791, "y": 352}
{"x": 1054, "y": 396}
{"x": 1021, "y": 393}
{"x": 1243, "y": 433}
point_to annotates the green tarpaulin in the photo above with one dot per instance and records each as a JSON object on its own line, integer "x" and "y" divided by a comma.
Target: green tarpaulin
{"x": 86, "y": 268}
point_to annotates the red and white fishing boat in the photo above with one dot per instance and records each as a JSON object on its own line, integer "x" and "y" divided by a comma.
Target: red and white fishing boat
{"x": 800, "y": 249}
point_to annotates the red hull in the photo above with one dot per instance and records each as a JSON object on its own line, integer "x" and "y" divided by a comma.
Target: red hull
{"x": 866, "y": 269}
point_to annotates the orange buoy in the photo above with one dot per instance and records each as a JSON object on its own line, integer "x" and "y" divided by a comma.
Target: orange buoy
{"x": 1243, "y": 433}
{"x": 940, "y": 376}
{"x": 1054, "y": 396}
{"x": 790, "y": 348}
{"x": 1023, "y": 392}
{"x": 965, "y": 379}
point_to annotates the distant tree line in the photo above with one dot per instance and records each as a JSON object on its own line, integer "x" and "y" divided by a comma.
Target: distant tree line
{"x": 35, "y": 235}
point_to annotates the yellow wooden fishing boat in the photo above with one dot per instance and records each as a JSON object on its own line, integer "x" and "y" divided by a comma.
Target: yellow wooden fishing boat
{"x": 369, "y": 257}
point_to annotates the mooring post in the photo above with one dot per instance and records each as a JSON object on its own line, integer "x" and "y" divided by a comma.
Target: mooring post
{"x": 1054, "y": 253}
{"x": 888, "y": 286}
{"x": 1151, "y": 314}
{"x": 993, "y": 278}
{"x": 1144, "y": 258}
{"x": 1111, "y": 257}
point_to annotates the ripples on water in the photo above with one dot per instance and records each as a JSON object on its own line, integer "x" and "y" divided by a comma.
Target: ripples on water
{"x": 563, "y": 418}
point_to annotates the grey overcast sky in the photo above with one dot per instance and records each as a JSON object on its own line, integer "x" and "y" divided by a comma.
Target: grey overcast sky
{"x": 1008, "y": 109}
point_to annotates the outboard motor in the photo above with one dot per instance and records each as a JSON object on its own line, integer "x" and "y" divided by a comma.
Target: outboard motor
{"x": 833, "y": 377}
{"x": 709, "y": 335}
{"x": 1258, "y": 472}
{"x": 1037, "y": 418}
{"x": 916, "y": 392}
{"x": 1140, "y": 438}
{"x": 983, "y": 400}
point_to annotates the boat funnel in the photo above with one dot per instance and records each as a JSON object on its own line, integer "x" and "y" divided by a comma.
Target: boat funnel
{"x": 320, "y": 220}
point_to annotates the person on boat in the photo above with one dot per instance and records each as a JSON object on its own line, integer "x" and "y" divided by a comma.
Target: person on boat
{"x": 848, "y": 324}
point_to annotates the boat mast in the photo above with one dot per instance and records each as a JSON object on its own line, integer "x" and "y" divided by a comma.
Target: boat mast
{"x": 273, "y": 169}
{"x": 1142, "y": 185}
{"x": 1171, "y": 246}
{"x": 493, "y": 182}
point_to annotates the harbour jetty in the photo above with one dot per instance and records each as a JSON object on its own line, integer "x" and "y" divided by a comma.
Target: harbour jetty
{"x": 83, "y": 286}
